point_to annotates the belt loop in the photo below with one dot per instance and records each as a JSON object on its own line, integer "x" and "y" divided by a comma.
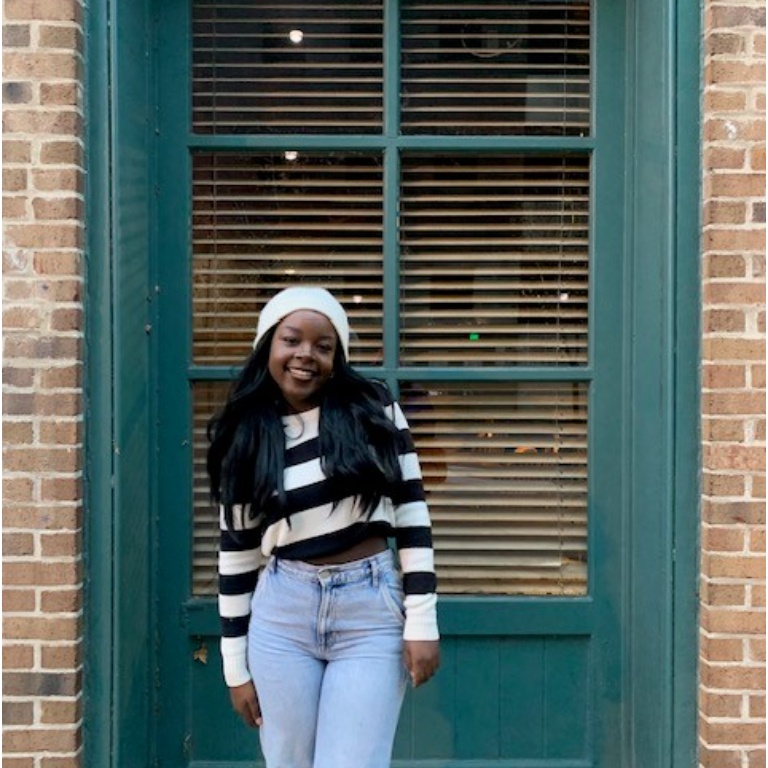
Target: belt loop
{"x": 374, "y": 566}
{"x": 274, "y": 563}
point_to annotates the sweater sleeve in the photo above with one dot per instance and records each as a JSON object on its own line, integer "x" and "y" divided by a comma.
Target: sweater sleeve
{"x": 240, "y": 558}
{"x": 413, "y": 535}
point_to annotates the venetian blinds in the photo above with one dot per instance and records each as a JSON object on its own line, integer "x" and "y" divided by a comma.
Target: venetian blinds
{"x": 496, "y": 67}
{"x": 485, "y": 248}
{"x": 293, "y": 66}
{"x": 494, "y": 259}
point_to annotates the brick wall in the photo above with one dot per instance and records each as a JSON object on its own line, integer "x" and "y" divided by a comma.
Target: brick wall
{"x": 42, "y": 400}
{"x": 732, "y": 663}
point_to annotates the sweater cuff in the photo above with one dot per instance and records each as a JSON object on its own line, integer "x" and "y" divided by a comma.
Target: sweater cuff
{"x": 234, "y": 658}
{"x": 421, "y": 618}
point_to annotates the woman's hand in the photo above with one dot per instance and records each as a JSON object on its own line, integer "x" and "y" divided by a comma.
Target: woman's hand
{"x": 246, "y": 703}
{"x": 422, "y": 658}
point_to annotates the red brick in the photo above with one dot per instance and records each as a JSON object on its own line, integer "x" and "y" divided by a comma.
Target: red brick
{"x": 66, "y": 37}
{"x": 60, "y": 601}
{"x": 40, "y": 740}
{"x": 724, "y": 265}
{"x": 39, "y": 10}
{"x": 60, "y": 544}
{"x": 735, "y": 567}
{"x": 732, "y": 677}
{"x": 35, "y": 122}
{"x": 64, "y": 152}
{"x": 18, "y": 544}
{"x": 17, "y": 656}
{"x": 733, "y": 733}
{"x": 721, "y": 704}
{"x": 40, "y": 628}
{"x": 722, "y": 649}
{"x": 719, "y": 758}
{"x": 734, "y": 457}
{"x": 18, "y": 713}
{"x": 60, "y": 656}
{"x": 62, "y": 712}
{"x": 40, "y": 573}
{"x": 19, "y": 601}
{"x": 724, "y": 321}
{"x": 723, "y": 430}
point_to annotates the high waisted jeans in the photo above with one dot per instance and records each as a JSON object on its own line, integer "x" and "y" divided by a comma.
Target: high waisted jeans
{"x": 325, "y": 649}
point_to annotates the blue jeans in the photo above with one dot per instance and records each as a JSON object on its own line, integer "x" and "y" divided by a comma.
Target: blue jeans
{"x": 325, "y": 649}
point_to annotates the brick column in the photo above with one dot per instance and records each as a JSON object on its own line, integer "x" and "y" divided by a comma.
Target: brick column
{"x": 732, "y": 663}
{"x": 42, "y": 382}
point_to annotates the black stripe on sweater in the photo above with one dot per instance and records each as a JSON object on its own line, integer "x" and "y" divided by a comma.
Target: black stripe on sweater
{"x": 236, "y": 541}
{"x": 407, "y": 491}
{"x": 415, "y": 536}
{"x": 238, "y": 583}
{"x": 236, "y": 627}
{"x": 419, "y": 583}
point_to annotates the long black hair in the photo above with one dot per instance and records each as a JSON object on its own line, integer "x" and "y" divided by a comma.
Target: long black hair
{"x": 246, "y": 453}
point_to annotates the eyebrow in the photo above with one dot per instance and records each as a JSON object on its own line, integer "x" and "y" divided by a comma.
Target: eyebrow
{"x": 298, "y": 330}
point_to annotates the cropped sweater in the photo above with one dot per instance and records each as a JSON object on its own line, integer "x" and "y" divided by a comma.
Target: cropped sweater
{"x": 314, "y": 526}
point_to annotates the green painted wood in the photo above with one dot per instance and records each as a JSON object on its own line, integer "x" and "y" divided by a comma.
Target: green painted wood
{"x": 118, "y": 669}
{"x": 98, "y": 722}
{"x": 687, "y": 405}
{"x": 373, "y": 142}
{"x": 566, "y": 685}
{"x": 655, "y": 279}
{"x": 477, "y": 684}
{"x": 435, "y": 373}
{"x": 521, "y": 717}
{"x": 176, "y": 703}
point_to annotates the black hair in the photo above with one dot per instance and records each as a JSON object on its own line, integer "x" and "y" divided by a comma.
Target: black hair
{"x": 246, "y": 453}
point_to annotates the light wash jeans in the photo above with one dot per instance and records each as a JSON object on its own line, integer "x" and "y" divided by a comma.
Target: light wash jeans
{"x": 325, "y": 649}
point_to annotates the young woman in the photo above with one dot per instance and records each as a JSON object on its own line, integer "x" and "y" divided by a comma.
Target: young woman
{"x": 314, "y": 469}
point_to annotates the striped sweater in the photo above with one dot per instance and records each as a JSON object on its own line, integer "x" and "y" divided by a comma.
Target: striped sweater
{"x": 317, "y": 528}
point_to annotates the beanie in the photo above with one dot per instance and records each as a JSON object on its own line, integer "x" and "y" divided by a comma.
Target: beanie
{"x": 304, "y": 297}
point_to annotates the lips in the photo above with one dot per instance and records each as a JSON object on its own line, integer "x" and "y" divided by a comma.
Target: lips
{"x": 301, "y": 373}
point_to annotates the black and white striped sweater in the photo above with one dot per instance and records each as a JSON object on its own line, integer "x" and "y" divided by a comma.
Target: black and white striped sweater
{"x": 317, "y": 529}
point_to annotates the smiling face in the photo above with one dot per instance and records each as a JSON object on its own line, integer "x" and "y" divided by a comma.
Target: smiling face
{"x": 301, "y": 357}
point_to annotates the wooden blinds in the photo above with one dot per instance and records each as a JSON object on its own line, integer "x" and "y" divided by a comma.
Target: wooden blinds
{"x": 505, "y": 469}
{"x": 494, "y": 259}
{"x": 265, "y": 221}
{"x": 293, "y": 66}
{"x": 495, "y": 67}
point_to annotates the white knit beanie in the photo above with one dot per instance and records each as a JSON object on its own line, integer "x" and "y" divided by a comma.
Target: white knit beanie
{"x": 304, "y": 297}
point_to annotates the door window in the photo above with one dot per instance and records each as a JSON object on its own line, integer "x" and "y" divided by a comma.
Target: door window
{"x": 430, "y": 164}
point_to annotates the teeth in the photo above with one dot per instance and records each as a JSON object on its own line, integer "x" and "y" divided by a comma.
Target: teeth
{"x": 301, "y": 374}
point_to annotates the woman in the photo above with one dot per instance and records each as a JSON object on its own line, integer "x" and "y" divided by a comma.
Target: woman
{"x": 314, "y": 469}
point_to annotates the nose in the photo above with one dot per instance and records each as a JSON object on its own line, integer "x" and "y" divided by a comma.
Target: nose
{"x": 303, "y": 350}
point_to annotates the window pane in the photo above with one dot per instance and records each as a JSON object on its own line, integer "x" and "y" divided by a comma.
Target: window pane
{"x": 293, "y": 66}
{"x": 263, "y": 222}
{"x": 494, "y": 259}
{"x": 505, "y": 469}
{"x": 500, "y": 67}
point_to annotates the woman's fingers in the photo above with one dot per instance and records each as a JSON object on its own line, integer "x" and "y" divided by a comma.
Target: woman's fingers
{"x": 246, "y": 703}
{"x": 422, "y": 658}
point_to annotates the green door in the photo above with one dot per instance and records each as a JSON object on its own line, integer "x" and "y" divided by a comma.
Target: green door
{"x": 455, "y": 172}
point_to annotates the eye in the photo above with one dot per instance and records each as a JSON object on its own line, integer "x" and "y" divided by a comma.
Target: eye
{"x": 290, "y": 340}
{"x": 325, "y": 349}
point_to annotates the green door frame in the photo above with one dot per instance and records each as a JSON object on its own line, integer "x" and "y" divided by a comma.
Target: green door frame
{"x": 662, "y": 247}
